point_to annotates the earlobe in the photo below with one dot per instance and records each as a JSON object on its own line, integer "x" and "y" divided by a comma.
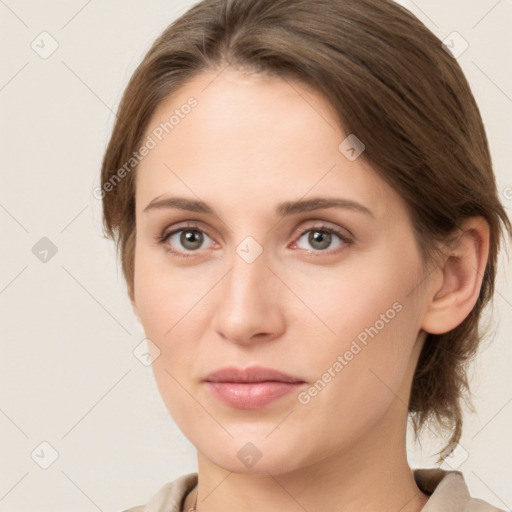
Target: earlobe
{"x": 462, "y": 275}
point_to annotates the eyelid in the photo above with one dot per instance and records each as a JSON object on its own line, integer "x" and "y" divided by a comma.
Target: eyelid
{"x": 192, "y": 225}
{"x": 320, "y": 225}
{"x": 162, "y": 240}
{"x": 346, "y": 240}
{"x": 164, "y": 235}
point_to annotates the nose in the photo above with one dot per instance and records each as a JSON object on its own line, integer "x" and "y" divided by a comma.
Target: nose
{"x": 249, "y": 307}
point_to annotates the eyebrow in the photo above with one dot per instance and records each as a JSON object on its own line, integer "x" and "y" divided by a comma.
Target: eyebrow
{"x": 281, "y": 210}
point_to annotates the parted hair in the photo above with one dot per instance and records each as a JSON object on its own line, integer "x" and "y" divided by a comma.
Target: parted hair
{"x": 389, "y": 81}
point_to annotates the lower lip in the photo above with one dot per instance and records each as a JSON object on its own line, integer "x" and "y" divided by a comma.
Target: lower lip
{"x": 251, "y": 395}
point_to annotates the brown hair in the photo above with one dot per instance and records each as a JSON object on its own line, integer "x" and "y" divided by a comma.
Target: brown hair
{"x": 390, "y": 82}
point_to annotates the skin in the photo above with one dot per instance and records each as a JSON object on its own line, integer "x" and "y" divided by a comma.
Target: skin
{"x": 251, "y": 143}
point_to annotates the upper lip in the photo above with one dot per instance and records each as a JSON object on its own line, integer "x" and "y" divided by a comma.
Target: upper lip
{"x": 251, "y": 374}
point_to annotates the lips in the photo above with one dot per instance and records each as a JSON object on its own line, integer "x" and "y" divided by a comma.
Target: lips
{"x": 250, "y": 388}
{"x": 252, "y": 374}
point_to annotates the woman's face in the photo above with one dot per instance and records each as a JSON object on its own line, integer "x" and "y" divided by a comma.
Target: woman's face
{"x": 262, "y": 281}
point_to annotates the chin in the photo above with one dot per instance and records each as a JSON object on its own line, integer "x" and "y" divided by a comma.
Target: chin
{"x": 257, "y": 456}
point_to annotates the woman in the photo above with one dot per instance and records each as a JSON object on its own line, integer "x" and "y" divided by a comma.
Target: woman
{"x": 304, "y": 203}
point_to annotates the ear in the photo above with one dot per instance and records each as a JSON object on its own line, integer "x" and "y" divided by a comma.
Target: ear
{"x": 462, "y": 274}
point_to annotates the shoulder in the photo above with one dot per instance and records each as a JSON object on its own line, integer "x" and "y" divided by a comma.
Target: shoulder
{"x": 169, "y": 497}
{"x": 448, "y": 491}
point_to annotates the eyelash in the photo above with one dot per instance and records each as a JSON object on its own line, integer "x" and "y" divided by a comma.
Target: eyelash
{"x": 165, "y": 235}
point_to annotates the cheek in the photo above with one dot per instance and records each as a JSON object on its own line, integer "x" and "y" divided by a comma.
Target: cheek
{"x": 171, "y": 322}
{"x": 171, "y": 306}
{"x": 356, "y": 381}
{"x": 368, "y": 330}
{"x": 168, "y": 298}
{"x": 364, "y": 301}
{"x": 165, "y": 303}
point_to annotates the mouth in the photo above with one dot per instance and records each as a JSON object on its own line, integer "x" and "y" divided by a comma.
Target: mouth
{"x": 250, "y": 375}
{"x": 250, "y": 388}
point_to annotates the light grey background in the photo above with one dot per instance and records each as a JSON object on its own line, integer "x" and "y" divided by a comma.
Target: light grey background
{"x": 68, "y": 375}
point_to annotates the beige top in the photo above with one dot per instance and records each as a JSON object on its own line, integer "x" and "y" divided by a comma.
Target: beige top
{"x": 447, "y": 489}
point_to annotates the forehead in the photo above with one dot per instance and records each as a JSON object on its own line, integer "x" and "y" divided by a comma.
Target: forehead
{"x": 252, "y": 137}
{"x": 235, "y": 108}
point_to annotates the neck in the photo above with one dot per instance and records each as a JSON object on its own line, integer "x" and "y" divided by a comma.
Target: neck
{"x": 371, "y": 476}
